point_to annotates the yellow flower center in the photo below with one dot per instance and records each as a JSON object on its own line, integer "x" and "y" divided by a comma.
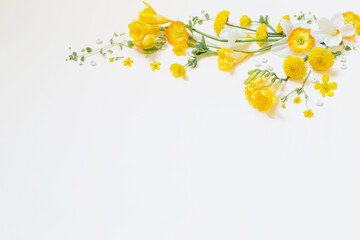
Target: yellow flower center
{"x": 301, "y": 40}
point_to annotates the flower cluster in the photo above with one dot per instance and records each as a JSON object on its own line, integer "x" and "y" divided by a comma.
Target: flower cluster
{"x": 307, "y": 44}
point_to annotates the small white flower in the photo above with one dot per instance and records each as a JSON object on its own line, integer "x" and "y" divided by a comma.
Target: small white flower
{"x": 93, "y": 63}
{"x": 343, "y": 59}
{"x": 99, "y": 41}
{"x": 332, "y": 32}
{"x": 264, "y": 60}
{"x": 315, "y": 80}
{"x": 319, "y": 102}
{"x": 257, "y": 64}
{"x": 343, "y": 66}
{"x": 269, "y": 67}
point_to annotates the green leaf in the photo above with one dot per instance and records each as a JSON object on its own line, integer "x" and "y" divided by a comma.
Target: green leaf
{"x": 207, "y": 16}
{"x": 75, "y": 54}
{"x": 336, "y": 54}
{"x": 82, "y": 58}
{"x": 130, "y": 44}
{"x": 88, "y": 50}
{"x": 110, "y": 51}
{"x": 162, "y": 36}
{"x": 115, "y": 34}
{"x": 348, "y": 48}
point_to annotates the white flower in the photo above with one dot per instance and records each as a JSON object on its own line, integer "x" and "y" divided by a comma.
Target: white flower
{"x": 332, "y": 32}
{"x": 281, "y": 47}
{"x": 232, "y": 34}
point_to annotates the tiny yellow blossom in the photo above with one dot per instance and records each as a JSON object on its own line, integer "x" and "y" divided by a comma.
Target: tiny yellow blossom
{"x": 155, "y": 65}
{"x": 220, "y": 21}
{"x": 279, "y": 28}
{"x": 308, "y": 113}
{"x": 180, "y": 49}
{"x": 244, "y": 21}
{"x": 283, "y": 105}
{"x": 228, "y": 58}
{"x": 297, "y": 100}
{"x": 326, "y": 87}
{"x": 261, "y": 33}
{"x": 177, "y": 70}
{"x": 111, "y": 59}
{"x": 128, "y": 62}
{"x": 294, "y": 67}
{"x": 321, "y": 59}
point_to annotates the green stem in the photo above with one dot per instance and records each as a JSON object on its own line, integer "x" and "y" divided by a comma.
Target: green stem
{"x": 249, "y": 52}
{"x": 253, "y": 30}
{"x": 306, "y": 79}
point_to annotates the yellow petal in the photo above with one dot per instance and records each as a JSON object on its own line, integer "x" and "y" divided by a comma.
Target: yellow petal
{"x": 318, "y": 86}
{"x": 325, "y": 78}
{"x": 330, "y": 93}
{"x": 333, "y": 85}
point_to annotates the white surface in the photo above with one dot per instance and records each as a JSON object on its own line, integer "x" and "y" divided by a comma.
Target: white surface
{"x": 109, "y": 152}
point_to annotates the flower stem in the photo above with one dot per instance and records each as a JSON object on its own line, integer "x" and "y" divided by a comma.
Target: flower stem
{"x": 253, "y": 30}
{"x": 249, "y": 52}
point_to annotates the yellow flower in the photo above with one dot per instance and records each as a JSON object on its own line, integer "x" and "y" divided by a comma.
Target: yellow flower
{"x": 279, "y": 29}
{"x": 308, "y": 113}
{"x": 326, "y": 87}
{"x": 260, "y": 96}
{"x": 321, "y": 59}
{"x": 139, "y": 30}
{"x": 148, "y": 15}
{"x": 261, "y": 33}
{"x": 149, "y": 41}
{"x": 297, "y": 100}
{"x": 244, "y": 21}
{"x": 128, "y": 62}
{"x": 353, "y": 19}
{"x": 283, "y": 105}
{"x": 176, "y": 33}
{"x": 294, "y": 67}
{"x": 180, "y": 49}
{"x": 155, "y": 65}
{"x": 111, "y": 59}
{"x": 301, "y": 40}
{"x": 177, "y": 70}
{"x": 220, "y": 21}
{"x": 228, "y": 58}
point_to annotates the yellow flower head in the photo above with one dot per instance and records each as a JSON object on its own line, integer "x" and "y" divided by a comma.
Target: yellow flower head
{"x": 321, "y": 59}
{"x": 279, "y": 29}
{"x": 244, "y": 21}
{"x": 326, "y": 87}
{"x": 353, "y": 19}
{"x": 148, "y": 15}
{"x": 180, "y": 49}
{"x": 149, "y": 41}
{"x": 139, "y": 30}
{"x": 283, "y": 105}
{"x": 177, "y": 70}
{"x": 261, "y": 33}
{"x": 228, "y": 58}
{"x": 128, "y": 62}
{"x": 220, "y": 21}
{"x": 301, "y": 40}
{"x": 294, "y": 67}
{"x": 297, "y": 100}
{"x": 155, "y": 65}
{"x": 308, "y": 113}
{"x": 176, "y": 33}
{"x": 260, "y": 96}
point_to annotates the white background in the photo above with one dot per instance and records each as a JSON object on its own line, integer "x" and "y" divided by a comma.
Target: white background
{"x": 110, "y": 152}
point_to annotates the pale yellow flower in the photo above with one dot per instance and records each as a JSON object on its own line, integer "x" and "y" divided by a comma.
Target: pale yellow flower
{"x": 228, "y": 58}
{"x": 177, "y": 70}
{"x": 148, "y": 15}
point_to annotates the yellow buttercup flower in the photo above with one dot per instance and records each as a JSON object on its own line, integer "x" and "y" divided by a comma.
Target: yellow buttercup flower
{"x": 308, "y": 113}
{"x": 155, "y": 65}
{"x": 261, "y": 96}
{"x": 220, "y": 21}
{"x": 128, "y": 62}
{"x": 176, "y": 33}
{"x": 297, "y": 100}
{"x": 139, "y": 30}
{"x": 180, "y": 49}
{"x": 111, "y": 59}
{"x": 321, "y": 59}
{"x": 261, "y": 33}
{"x": 244, "y": 21}
{"x": 326, "y": 87}
{"x": 279, "y": 29}
{"x": 301, "y": 40}
{"x": 148, "y": 15}
{"x": 294, "y": 67}
{"x": 177, "y": 70}
{"x": 228, "y": 58}
{"x": 353, "y": 19}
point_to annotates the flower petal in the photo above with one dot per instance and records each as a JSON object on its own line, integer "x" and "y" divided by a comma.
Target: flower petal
{"x": 318, "y": 86}
{"x": 347, "y": 30}
{"x": 330, "y": 93}
{"x": 287, "y": 26}
{"x": 281, "y": 48}
{"x": 337, "y": 21}
{"x": 333, "y": 40}
{"x": 333, "y": 85}
{"x": 325, "y": 26}
{"x": 325, "y": 78}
